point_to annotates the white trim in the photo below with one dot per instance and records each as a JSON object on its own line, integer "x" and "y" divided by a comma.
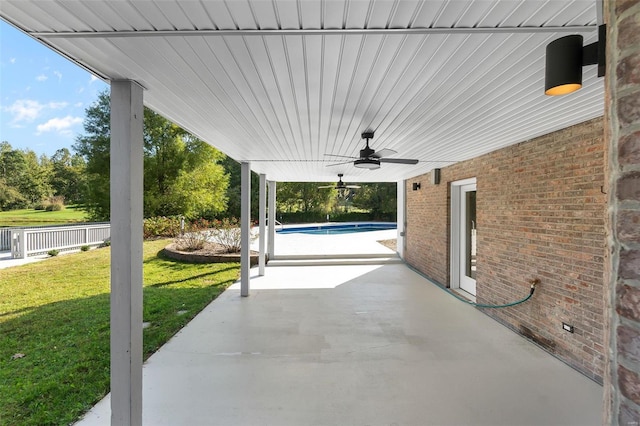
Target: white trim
{"x": 401, "y": 218}
{"x": 454, "y": 249}
{"x": 262, "y": 223}
{"x": 245, "y": 227}
{"x": 301, "y": 32}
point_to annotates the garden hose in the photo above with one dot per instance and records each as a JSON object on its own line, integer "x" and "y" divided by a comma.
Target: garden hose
{"x": 506, "y": 305}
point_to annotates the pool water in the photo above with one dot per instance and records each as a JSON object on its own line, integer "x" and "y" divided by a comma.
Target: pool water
{"x": 338, "y": 229}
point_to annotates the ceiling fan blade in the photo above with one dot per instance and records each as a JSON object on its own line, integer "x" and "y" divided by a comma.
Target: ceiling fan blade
{"x": 326, "y": 186}
{"x": 352, "y": 186}
{"x": 339, "y": 164}
{"x": 341, "y": 156}
{"x": 398, "y": 160}
{"x": 384, "y": 153}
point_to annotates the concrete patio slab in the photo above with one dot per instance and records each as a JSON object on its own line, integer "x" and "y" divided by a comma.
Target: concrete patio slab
{"x": 354, "y": 345}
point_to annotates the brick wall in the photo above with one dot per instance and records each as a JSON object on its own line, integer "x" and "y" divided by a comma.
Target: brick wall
{"x": 540, "y": 214}
{"x": 622, "y": 272}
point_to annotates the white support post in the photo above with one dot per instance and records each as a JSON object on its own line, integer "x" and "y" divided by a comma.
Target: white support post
{"x": 401, "y": 218}
{"x": 245, "y": 227}
{"x": 271, "y": 252}
{"x": 126, "y": 252}
{"x": 263, "y": 220}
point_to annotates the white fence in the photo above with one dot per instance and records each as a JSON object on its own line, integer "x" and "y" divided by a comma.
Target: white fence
{"x": 25, "y": 242}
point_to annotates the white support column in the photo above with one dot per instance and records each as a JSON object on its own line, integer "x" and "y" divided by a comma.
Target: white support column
{"x": 401, "y": 218}
{"x": 245, "y": 227}
{"x": 262, "y": 223}
{"x": 271, "y": 249}
{"x": 126, "y": 252}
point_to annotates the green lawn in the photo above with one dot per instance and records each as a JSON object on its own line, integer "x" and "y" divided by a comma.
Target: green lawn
{"x": 56, "y": 313}
{"x": 40, "y": 217}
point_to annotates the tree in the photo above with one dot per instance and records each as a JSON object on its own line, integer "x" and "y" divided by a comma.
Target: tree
{"x": 182, "y": 174}
{"x": 379, "y": 198}
{"x": 304, "y": 197}
{"x": 22, "y": 172}
{"x": 68, "y": 175}
{"x": 233, "y": 168}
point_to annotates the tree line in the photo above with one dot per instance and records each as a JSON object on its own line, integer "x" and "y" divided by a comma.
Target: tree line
{"x": 183, "y": 176}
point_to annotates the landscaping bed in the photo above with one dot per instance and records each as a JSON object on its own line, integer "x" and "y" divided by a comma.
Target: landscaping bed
{"x": 210, "y": 253}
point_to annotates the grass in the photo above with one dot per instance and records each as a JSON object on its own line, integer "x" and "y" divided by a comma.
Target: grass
{"x": 30, "y": 217}
{"x": 56, "y": 313}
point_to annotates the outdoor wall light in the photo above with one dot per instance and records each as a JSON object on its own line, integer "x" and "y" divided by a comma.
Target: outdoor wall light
{"x": 435, "y": 176}
{"x": 565, "y": 58}
{"x": 416, "y": 186}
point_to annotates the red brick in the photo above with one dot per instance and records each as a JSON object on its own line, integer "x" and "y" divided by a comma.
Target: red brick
{"x": 628, "y": 226}
{"x": 629, "y": 264}
{"x": 629, "y": 149}
{"x": 623, "y": 5}
{"x": 629, "y": 383}
{"x": 629, "y": 109}
{"x": 628, "y": 343}
{"x": 629, "y": 31}
{"x": 628, "y": 187}
{"x": 628, "y": 302}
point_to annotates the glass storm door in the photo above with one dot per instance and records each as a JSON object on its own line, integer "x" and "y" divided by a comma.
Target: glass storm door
{"x": 463, "y": 235}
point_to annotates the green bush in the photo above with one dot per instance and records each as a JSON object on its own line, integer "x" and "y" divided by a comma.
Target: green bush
{"x": 84, "y": 248}
{"x": 161, "y": 226}
{"x": 54, "y": 207}
{"x": 53, "y": 252}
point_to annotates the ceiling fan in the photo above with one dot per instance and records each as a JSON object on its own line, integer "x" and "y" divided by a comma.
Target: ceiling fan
{"x": 370, "y": 159}
{"x": 340, "y": 184}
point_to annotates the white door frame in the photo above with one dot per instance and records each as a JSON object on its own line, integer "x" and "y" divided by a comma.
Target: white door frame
{"x": 457, "y": 243}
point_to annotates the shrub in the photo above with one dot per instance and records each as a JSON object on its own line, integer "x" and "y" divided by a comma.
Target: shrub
{"x": 161, "y": 226}
{"x": 53, "y": 252}
{"x": 84, "y": 248}
{"x": 106, "y": 243}
{"x": 54, "y": 207}
{"x": 192, "y": 240}
{"x": 227, "y": 234}
{"x": 40, "y": 206}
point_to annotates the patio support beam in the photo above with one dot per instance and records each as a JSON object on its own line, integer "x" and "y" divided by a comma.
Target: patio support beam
{"x": 126, "y": 252}
{"x": 262, "y": 222}
{"x": 271, "y": 247}
{"x": 245, "y": 227}
{"x": 401, "y": 218}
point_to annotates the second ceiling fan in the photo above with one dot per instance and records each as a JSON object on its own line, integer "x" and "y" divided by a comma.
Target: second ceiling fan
{"x": 370, "y": 159}
{"x": 340, "y": 184}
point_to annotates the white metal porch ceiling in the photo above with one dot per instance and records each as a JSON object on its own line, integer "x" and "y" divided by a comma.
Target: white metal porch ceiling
{"x": 281, "y": 83}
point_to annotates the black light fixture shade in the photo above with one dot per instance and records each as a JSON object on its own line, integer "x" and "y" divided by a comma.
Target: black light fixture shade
{"x": 563, "y": 70}
{"x": 416, "y": 186}
{"x": 565, "y": 58}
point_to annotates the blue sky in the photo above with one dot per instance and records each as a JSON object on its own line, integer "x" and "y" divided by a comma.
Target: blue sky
{"x": 43, "y": 96}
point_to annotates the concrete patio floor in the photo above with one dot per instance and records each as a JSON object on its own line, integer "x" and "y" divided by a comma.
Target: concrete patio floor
{"x": 354, "y": 345}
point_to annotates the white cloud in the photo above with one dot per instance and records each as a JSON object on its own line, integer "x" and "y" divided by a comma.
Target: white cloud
{"x": 58, "y": 74}
{"x": 27, "y": 110}
{"x": 57, "y": 105}
{"x": 93, "y": 78}
{"x": 12, "y": 60}
{"x": 42, "y": 77}
{"x": 24, "y": 110}
{"x": 78, "y": 104}
{"x": 60, "y": 125}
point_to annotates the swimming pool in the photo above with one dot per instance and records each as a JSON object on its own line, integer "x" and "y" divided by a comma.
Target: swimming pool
{"x": 348, "y": 228}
